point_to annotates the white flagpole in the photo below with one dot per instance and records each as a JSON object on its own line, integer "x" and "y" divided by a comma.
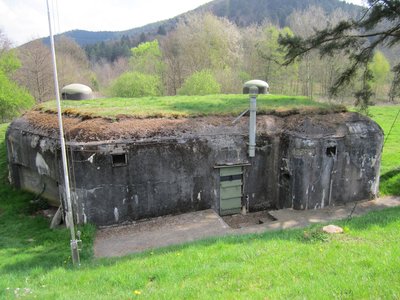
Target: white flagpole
{"x": 69, "y": 216}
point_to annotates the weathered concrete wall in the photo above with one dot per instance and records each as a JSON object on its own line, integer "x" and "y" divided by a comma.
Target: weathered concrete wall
{"x": 34, "y": 163}
{"x": 302, "y": 166}
{"x": 319, "y": 170}
{"x": 159, "y": 178}
{"x": 149, "y": 184}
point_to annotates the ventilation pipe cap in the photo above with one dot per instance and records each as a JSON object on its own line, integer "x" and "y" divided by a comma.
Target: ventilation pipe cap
{"x": 262, "y": 87}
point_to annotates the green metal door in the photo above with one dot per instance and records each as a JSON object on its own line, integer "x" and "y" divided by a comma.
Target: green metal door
{"x": 230, "y": 190}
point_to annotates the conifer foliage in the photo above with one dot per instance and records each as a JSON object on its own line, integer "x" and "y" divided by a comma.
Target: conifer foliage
{"x": 378, "y": 26}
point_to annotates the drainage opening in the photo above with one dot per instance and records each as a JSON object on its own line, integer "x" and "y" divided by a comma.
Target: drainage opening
{"x": 331, "y": 151}
{"x": 119, "y": 159}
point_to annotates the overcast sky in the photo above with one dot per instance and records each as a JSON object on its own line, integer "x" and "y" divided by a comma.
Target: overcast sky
{"x": 24, "y": 20}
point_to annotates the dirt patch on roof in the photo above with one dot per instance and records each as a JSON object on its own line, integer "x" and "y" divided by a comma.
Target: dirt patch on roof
{"x": 99, "y": 129}
{"x": 320, "y": 124}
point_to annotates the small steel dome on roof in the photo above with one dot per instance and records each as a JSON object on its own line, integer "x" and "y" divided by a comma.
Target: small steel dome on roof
{"x": 76, "y": 91}
{"x": 75, "y": 88}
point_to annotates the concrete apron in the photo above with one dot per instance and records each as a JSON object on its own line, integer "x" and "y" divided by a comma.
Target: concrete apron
{"x": 173, "y": 230}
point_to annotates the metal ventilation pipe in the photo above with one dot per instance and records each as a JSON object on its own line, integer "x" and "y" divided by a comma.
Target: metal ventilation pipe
{"x": 253, "y": 88}
{"x": 252, "y": 123}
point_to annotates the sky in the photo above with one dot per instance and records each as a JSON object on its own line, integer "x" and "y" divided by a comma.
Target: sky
{"x": 24, "y": 20}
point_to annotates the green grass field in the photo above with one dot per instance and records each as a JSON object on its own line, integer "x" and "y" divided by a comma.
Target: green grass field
{"x": 390, "y": 166}
{"x": 363, "y": 263}
{"x": 183, "y": 106}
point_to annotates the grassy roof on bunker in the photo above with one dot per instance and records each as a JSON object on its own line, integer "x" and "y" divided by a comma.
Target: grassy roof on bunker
{"x": 186, "y": 106}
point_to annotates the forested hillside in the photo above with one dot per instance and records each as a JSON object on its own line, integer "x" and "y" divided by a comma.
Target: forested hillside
{"x": 245, "y": 13}
{"x": 109, "y": 45}
{"x": 242, "y": 13}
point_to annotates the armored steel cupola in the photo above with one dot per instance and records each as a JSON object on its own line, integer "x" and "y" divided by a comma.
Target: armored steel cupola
{"x": 76, "y": 91}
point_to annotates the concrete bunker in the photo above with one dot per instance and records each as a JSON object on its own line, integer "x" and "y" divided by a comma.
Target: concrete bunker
{"x": 141, "y": 168}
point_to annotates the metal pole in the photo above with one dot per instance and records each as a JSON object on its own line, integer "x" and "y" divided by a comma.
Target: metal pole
{"x": 69, "y": 217}
{"x": 252, "y": 125}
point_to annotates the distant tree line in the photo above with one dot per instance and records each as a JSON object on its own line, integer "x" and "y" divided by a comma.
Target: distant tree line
{"x": 112, "y": 50}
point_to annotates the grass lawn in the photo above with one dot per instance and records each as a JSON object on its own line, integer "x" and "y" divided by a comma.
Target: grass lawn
{"x": 390, "y": 166}
{"x": 363, "y": 263}
{"x": 183, "y": 106}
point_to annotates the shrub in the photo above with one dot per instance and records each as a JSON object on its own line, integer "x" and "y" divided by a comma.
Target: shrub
{"x": 13, "y": 98}
{"x": 200, "y": 83}
{"x": 135, "y": 84}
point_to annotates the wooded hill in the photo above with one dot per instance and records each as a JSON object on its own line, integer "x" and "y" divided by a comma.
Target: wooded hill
{"x": 103, "y": 44}
{"x": 244, "y": 13}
